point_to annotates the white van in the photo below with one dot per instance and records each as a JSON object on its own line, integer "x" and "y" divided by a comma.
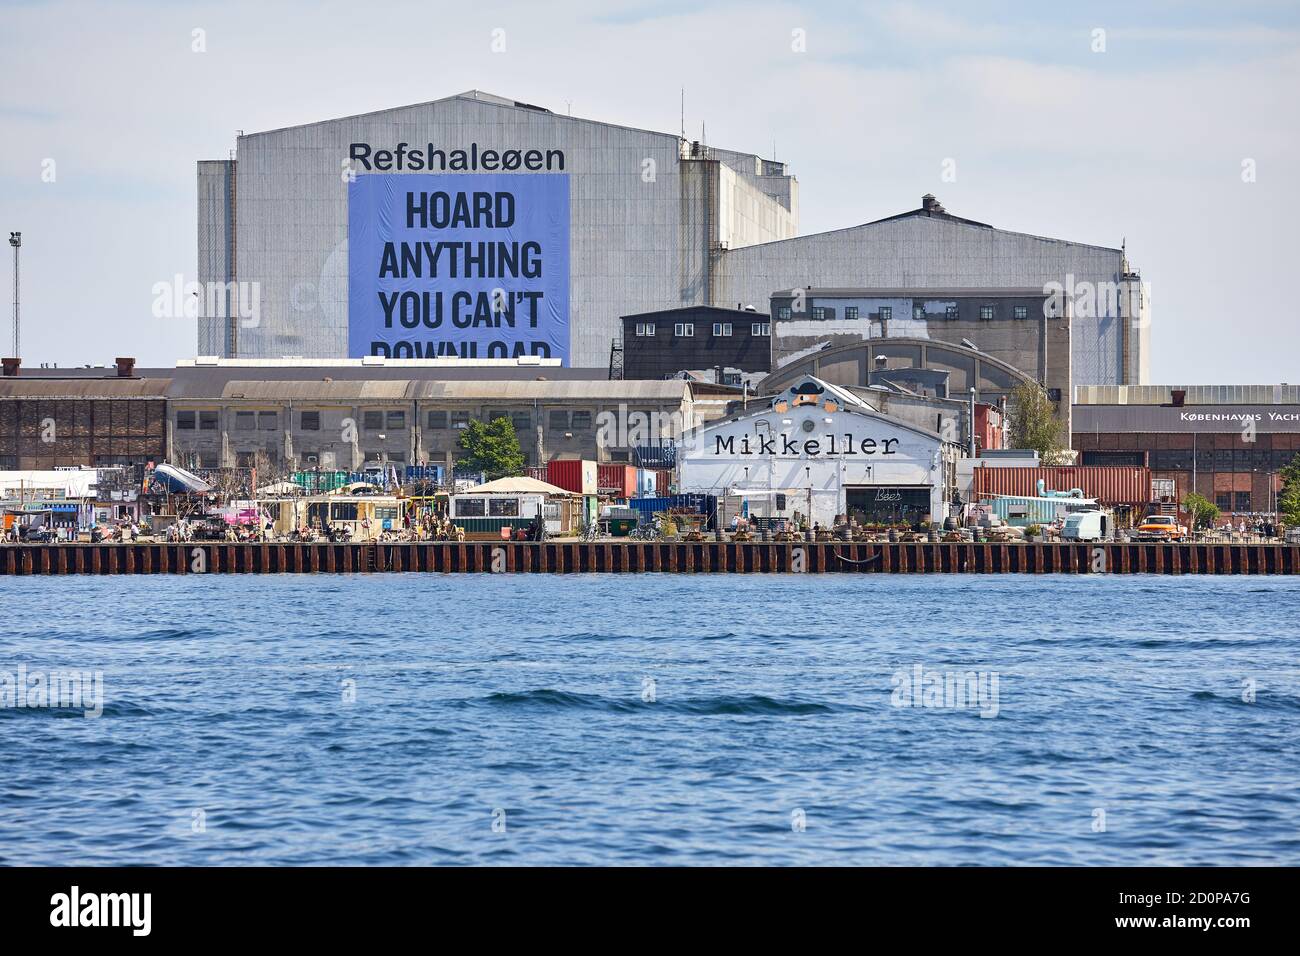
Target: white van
{"x": 1090, "y": 525}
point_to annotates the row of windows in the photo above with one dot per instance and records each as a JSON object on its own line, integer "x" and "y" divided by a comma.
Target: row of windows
{"x": 1233, "y": 500}
{"x": 394, "y": 420}
{"x": 820, "y": 313}
{"x": 490, "y": 508}
{"x": 687, "y": 329}
{"x": 1224, "y": 459}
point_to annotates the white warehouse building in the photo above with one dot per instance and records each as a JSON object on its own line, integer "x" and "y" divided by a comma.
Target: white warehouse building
{"x": 481, "y": 227}
{"x": 819, "y": 451}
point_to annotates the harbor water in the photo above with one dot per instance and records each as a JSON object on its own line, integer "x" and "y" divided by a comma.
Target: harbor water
{"x": 650, "y": 719}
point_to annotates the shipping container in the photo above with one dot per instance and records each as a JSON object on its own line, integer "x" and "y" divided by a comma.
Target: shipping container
{"x": 433, "y": 474}
{"x": 1110, "y": 485}
{"x": 572, "y": 474}
{"x": 645, "y": 483}
{"x": 618, "y": 481}
{"x": 663, "y": 482}
{"x": 700, "y": 504}
{"x": 1022, "y": 511}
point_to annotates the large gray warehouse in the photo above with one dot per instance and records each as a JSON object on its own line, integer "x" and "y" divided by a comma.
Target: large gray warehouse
{"x": 349, "y": 237}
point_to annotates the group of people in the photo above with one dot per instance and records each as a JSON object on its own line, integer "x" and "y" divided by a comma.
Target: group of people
{"x": 1260, "y": 527}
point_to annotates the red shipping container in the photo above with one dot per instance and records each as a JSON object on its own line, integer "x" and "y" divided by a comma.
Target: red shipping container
{"x": 663, "y": 482}
{"x": 616, "y": 480}
{"x": 572, "y": 474}
{"x": 1109, "y": 484}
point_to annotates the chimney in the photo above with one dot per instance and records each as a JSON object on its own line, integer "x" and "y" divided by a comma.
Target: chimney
{"x": 881, "y": 361}
{"x": 1180, "y": 396}
{"x": 125, "y": 367}
{"x": 930, "y": 205}
{"x": 11, "y": 366}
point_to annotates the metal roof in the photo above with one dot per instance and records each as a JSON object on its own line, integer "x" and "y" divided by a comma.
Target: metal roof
{"x": 1281, "y": 394}
{"x": 19, "y": 386}
{"x": 924, "y": 293}
{"x": 652, "y": 390}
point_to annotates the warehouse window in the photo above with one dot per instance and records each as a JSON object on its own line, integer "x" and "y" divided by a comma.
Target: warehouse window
{"x": 986, "y": 313}
{"x": 721, "y": 328}
{"x": 850, "y": 312}
{"x": 395, "y": 420}
{"x": 438, "y": 419}
{"x": 818, "y": 312}
{"x": 522, "y": 421}
{"x": 309, "y": 421}
{"x": 559, "y": 420}
{"x": 684, "y": 329}
{"x": 244, "y": 421}
{"x": 185, "y": 420}
{"x": 886, "y": 313}
{"x": 645, "y": 329}
{"x": 1224, "y": 501}
{"x": 581, "y": 421}
{"x": 951, "y": 312}
{"x": 918, "y": 312}
{"x": 372, "y": 421}
{"x": 1021, "y": 312}
{"x": 208, "y": 421}
{"x": 761, "y": 328}
{"x": 1242, "y": 501}
{"x": 783, "y": 312}
{"x": 268, "y": 421}
{"x": 460, "y": 419}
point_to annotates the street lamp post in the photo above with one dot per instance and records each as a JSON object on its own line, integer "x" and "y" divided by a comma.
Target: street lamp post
{"x": 16, "y": 240}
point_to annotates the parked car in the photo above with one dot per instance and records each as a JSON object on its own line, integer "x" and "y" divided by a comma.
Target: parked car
{"x": 1160, "y": 528}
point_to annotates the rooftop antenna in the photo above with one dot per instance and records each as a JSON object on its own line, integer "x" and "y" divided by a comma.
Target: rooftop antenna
{"x": 683, "y": 112}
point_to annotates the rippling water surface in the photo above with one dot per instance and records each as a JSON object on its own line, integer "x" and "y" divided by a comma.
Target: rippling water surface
{"x": 654, "y": 719}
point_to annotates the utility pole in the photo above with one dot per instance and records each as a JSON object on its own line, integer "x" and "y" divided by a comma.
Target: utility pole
{"x": 16, "y": 240}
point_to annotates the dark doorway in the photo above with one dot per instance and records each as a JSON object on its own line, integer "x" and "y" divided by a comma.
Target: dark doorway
{"x": 887, "y": 504}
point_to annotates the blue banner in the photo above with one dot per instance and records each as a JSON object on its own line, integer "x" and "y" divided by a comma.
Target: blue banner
{"x": 469, "y": 266}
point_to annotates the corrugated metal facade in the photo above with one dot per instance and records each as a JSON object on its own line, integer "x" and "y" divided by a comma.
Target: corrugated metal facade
{"x": 640, "y": 234}
{"x": 920, "y": 252}
{"x": 1110, "y": 486}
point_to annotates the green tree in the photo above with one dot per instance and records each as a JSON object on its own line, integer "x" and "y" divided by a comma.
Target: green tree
{"x": 1204, "y": 512}
{"x": 1288, "y": 499}
{"x": 491, "y": 448}
{"x": 1034, "y": 424}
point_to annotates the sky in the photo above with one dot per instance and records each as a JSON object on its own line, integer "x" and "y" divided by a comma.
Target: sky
{"x": 1172, "y": 127}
